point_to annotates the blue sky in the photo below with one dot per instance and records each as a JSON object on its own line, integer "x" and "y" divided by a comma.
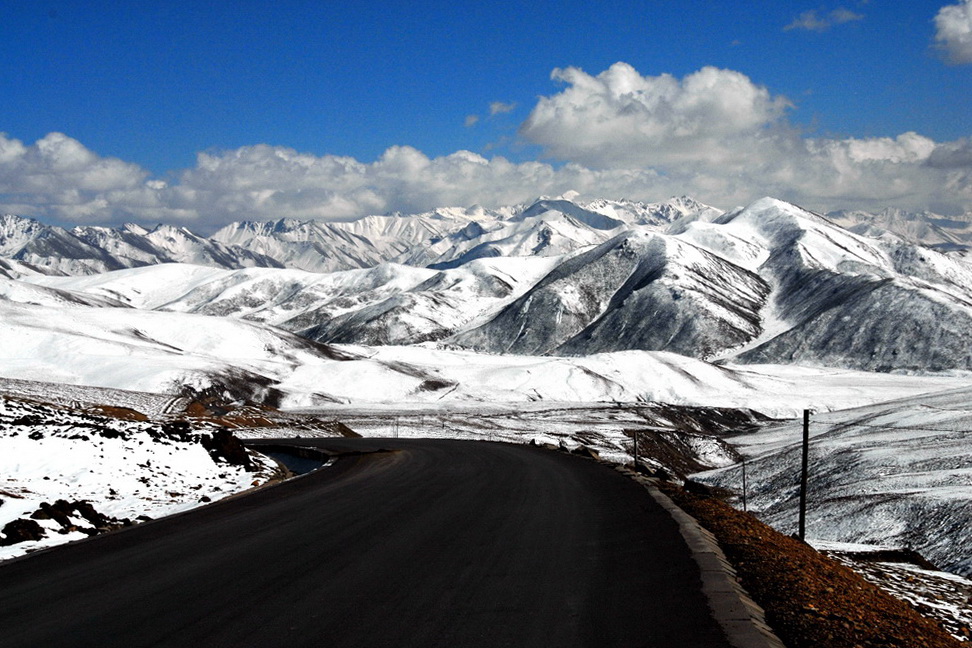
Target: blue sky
{"x": 145, "y": 87}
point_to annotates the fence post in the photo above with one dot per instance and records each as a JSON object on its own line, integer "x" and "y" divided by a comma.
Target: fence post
{"x": 803, "y": 475}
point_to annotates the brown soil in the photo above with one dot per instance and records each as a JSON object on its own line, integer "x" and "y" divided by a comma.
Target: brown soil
{"x": 260, "y": 416}
{"x": 810, "y": 600}
{"x": 124, "y": 413}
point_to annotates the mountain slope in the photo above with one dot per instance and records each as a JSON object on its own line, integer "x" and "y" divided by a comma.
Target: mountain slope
{"x": 385, "y": 304}
{"x": 893, "y": 474}
{"x": 640, "y": 290}
{"x": 99, "y": 344}
{"x": 852, "y": 301}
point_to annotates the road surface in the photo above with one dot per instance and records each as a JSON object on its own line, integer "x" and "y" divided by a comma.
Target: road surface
{"x": 434, "y": 543}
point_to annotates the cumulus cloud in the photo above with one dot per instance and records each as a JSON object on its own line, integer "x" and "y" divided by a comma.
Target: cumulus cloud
{"x": 728, "y": 140}
{"x": 953, "y": 25}
{"x": 713, "y": 134}
{"x": 620, "y": 118}
{"x": 260, "y": 182}
{"x": 471, "y": 120}
{"x": 813, "y": 21}
{"x": 58, "y": 178}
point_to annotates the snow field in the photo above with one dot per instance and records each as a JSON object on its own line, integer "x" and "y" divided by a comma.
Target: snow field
{"x": 123, "y": 468}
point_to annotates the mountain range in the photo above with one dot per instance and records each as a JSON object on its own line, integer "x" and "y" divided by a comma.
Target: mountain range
{"x": 767, "y": 283}
{"x": 445, "y": 237}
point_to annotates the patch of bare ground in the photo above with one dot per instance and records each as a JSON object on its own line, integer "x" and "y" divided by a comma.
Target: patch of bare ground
{"x": 255, "y": 417}
{"x": 810, "y": 600}
{"x": 123, "y": 413}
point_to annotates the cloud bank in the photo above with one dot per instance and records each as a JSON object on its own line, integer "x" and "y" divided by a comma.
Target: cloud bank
{"x": 727, "y": 139}
{"x": 713, "y": 134}
{"x": 953, "y": 35}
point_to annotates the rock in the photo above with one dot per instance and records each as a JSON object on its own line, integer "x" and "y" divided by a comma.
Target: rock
{"x": 58, "y": 512}
{"x": 223, "y": 445}
{"x": 698, "y": 488}
{"x": 177, "y": 431}
{"x": 584, "y": 451}
{"x": 21, "y": 530}
{"x": 89, "y": 513}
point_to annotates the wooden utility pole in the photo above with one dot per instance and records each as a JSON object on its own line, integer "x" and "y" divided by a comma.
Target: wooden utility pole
{"x": 745, "y": 507}
{"x": 803, "y": 475}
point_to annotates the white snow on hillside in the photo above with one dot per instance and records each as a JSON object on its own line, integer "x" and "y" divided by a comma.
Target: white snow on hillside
{"x": 894, "y": 474}
{"x": 125, "y": 469}
{"x": 396, "y": 303}
{"x": 166, "y": 352}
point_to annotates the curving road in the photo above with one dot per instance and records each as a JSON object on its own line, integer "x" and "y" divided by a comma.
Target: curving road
{"x": 436, "y": 543}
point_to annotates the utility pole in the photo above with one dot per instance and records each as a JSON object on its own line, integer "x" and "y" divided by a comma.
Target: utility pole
{"x": 803, "y": 474}
{"x": 635, "y": 435}
{"x": 745, "y": 508}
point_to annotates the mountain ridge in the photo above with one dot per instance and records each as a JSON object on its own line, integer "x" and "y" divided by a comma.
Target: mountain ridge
{"x": 768, "y": 283}
{"x": 445, "y": 237}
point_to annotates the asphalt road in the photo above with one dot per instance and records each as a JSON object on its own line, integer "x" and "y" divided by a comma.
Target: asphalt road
{"x": 438, "y": 543}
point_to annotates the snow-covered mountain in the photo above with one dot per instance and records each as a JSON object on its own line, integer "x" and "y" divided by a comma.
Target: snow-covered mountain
{"x": 88, "y": 250}
{"x": 923, "y": 227}
{"x": 840, "y": 299}
{"x": 445, "y": 237}
{"x": 65, "y": 337}
{"x": 769, "y": 283}
{"x": 448, "y": 238}
{"x": 639, "y": 290}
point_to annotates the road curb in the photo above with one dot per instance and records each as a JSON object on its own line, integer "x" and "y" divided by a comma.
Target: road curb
{"x": 741, "y": 618}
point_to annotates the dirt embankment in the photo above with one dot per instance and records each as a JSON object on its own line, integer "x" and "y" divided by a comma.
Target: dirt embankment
{"x": 810, "y": 600}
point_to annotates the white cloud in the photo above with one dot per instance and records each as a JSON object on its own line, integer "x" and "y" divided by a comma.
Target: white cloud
{"x": 619, "y": 118}
{"x": 471, "y": 120}
{"x": 841, "y": 15}
{"x": 498, "y": 107}
{"x": 727, "y": 140}
{"x": 58, "y": 178}
{"x": 953, "y": 25}
{"x": 713, "y": 134}
{"x": 812, "y": 21}
{"x": 808, "y": 20}
{"x": 260, "y": 182}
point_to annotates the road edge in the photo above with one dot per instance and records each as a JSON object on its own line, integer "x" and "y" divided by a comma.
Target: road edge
{"x": 741, "y": 618}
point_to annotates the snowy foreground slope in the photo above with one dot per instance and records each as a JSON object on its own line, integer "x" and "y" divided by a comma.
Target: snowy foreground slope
{"x": 74, "y": 473}
{"x": 896, "y": 474}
